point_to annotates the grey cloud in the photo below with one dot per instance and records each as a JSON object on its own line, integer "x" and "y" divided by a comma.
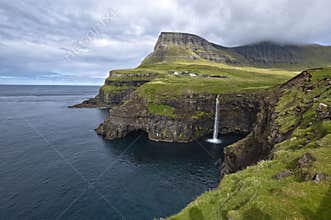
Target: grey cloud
{"x": 36, "y": 35}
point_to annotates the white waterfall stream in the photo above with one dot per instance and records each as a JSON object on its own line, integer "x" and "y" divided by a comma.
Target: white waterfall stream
{"x": 215, "y": 139}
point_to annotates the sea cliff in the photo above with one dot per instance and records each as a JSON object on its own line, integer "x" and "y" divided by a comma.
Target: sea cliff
{"x": 183, "y": 119}
{"x": 281, "y": 170}
{"x": 285, "y": 157}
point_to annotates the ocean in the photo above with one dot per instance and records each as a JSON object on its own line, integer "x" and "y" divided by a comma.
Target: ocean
{"x": 54, "y": 166}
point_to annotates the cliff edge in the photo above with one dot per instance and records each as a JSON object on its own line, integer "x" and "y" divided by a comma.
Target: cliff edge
{"x": 282, "y": 168}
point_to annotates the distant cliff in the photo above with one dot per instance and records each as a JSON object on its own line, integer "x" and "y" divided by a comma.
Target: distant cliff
{"x": 181, "y": 46}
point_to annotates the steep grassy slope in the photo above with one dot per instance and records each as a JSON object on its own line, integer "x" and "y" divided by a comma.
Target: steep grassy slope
{"x": 271, "y": 54}
{"x": 295, "y": 183}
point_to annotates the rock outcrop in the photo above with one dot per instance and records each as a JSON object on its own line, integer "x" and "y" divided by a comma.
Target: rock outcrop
{"x": 193, "y": 117}
{"x": 173, "y": 46}
{"x": 257, "y": 145}
{"x": 116, "y": 88}
{"x": 267, "y": 133}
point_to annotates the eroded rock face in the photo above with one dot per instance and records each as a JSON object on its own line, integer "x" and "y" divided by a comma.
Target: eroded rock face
{"x": 193, "y": 117}
{"x": 305, "y": 161}
{"x": 124, "y": 83}
{"x": 283, "y": 174}
{"x": 256, "y": 145}
{"x": 112, "y": 99}
{"x": 323, "y": 111}
{"x": 319, "y": 177}
{"x": 238, "y": 112}
{"x": 188, "y": 46}
{"x": 259, "y": 143}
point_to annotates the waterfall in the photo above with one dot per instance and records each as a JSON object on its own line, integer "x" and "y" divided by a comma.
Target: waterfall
{"x": 215, "y": 139}
{"x": 217, "y": 106}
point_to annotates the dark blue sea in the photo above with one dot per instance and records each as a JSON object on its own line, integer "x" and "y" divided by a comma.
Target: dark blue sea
{"x": 54, "y": 166}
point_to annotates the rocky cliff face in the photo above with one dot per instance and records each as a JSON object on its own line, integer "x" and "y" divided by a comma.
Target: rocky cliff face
{"x": 124, "y": 85}
{"x": 283, "y": 161}
{"x": 267, "y": 131}
{"x": 116, "y": 88}
{"x": 257, "y": 145}
{"x": 176, "y": 46}
{"x": 193, "y": 117}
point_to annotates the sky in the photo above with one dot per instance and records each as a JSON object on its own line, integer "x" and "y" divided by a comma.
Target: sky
{"x": 77, "y": 42}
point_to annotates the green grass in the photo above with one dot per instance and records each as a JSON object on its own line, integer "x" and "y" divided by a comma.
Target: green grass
{"x": 137, "y": 71}
{"x": 164, "y": 110}
{"x": 200, "y": 114}
{"x": 238, "y": 79}
{"x": 321, "y": 73}
{"x": 172, "y": 53}
{"x": 111, "y": 89}
{"x": 129, "y": 78}
{"x": 295, "y": 99}
{"x": 253, "y": 193}
{"x": 162, "y": 85}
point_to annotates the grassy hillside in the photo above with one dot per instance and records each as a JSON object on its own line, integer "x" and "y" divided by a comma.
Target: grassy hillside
{"x": 269, "y": 54}
{"x": 164, "y": 85}
{"x": 256, "y": 192}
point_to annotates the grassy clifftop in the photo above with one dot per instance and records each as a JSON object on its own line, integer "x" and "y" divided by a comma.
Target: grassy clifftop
{"x": 209, "y": 77}
{"x": 296, "y": 183}
{"x": 222, "y": 79}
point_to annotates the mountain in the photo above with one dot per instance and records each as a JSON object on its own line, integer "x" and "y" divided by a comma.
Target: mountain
{"x": 182, "y": 46}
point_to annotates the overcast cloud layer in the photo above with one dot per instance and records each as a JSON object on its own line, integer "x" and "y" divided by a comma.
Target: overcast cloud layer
{"x": 79, "y": 41}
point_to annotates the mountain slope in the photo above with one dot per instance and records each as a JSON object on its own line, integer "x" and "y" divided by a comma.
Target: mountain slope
{"x": 181, "y": 46}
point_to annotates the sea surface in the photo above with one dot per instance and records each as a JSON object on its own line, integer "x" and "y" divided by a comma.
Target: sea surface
{"x": 54, "y": 166}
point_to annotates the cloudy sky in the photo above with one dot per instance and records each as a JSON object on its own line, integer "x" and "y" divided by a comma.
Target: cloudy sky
{"x": 79, "y": 41}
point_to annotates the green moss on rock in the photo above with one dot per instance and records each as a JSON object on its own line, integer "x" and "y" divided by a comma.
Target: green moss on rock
{"x": 200, "y": 114}
{"x": 164, "y": 110}
{"x": 112, "y": 89}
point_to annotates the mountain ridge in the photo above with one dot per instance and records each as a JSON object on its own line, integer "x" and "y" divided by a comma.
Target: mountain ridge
{"x": 173, "y": 46}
